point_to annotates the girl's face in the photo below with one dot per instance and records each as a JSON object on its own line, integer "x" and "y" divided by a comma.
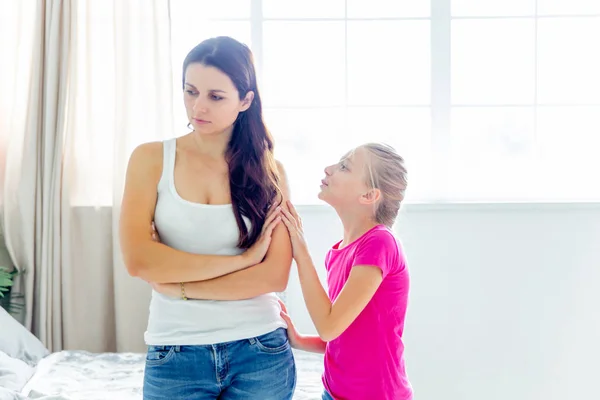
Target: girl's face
{"x": 345, "y": 183}
{"x": 212, "y": 101}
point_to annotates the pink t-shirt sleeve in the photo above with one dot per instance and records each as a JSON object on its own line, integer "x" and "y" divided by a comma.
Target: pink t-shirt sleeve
{"x": 379, "y": 249}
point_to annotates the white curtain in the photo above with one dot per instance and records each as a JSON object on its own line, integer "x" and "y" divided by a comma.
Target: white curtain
{"x": 87, "y": 81}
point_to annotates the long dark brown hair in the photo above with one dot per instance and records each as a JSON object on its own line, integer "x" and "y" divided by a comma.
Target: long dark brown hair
{"x": 253, "y": 174}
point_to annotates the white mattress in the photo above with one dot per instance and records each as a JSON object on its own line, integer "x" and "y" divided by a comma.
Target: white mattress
{"x": 73, "y": 375}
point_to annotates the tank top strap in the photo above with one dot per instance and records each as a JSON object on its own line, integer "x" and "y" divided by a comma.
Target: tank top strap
{"x": 169, "y": 150}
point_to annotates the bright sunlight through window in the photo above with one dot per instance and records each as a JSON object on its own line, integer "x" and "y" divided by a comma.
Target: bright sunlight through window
{"x": 488, "y": 101}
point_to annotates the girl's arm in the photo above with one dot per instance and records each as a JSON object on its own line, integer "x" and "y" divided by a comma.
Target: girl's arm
{"x": 333, "y": 319}
{"x": 270, "y": 275}
{"x": 330, "y": 319}
{"x": 150, "y": 260}
{"x": 313, "y": 344}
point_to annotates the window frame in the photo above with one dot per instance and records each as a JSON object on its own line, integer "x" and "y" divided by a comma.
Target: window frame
{"x": 441, "y": 105}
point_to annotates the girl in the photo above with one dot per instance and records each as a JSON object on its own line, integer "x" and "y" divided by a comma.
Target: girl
{"x": 208, "y": 194}
{"x": 360, "y": 323}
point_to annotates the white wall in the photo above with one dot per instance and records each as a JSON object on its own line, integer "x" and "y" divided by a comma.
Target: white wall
{"x": 504, "y": 300}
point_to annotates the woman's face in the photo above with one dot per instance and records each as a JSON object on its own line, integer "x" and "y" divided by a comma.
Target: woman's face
{"x": 212, "y": 102}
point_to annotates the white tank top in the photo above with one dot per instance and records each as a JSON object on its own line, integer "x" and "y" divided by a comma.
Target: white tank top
{"x": 202, "y": 229}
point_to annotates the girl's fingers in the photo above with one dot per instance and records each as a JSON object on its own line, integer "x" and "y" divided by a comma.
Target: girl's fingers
{"x": 289, "y": 216}
{"x": 286, "y": 318}
{"x": 292, "y": 209}
{"x": 282, "y": 305}
{"x": 290, "y": 225}
{"x": 293, "y": 216}
{"x": 286, "y": 219}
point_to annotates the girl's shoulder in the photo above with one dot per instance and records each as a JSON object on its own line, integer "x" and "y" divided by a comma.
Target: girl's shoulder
{"x": 383, "y": 236}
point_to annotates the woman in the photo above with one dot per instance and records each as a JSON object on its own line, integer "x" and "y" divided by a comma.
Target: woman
{"x": 209, "y": 193}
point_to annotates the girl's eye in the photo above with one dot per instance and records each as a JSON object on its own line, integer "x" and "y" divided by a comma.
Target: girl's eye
{"x": 216, "y": 98}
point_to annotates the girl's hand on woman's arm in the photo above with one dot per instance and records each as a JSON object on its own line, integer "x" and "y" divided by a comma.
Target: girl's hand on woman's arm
{"x": 314, "y": 344}
{"x": 293, "y": 223}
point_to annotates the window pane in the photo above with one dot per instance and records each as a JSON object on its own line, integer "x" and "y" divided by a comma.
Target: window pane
{"x": 407, "y": 129}
{"x": 569, "y": 141}
{"x": 303, "y": 9}
{"x": 568, "y": 65}
{"x": 304, "y": 64}
{"x": 187, "y": 35}
{"x": 200, "y": 10}
{"x": 571, "y": 7}
{"x": 493, "y": 61}
{"x": 388, "y": 8}
{"x": 306, "y": 141}
{"x": 184, "y": 38}
{"x": 389, "y": 62}
{"x": 492, "y": 8}
{"x": 492, "y": 154}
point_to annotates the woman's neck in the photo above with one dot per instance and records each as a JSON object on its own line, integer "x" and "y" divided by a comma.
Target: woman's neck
{"x": 213, "y": 145}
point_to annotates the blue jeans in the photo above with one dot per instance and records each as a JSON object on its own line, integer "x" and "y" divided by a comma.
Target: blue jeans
{"x": 257, "y": 368}
{"x": 326, "y": 396}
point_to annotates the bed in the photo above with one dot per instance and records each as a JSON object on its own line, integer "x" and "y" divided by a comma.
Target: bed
{"x": 79, "y": 375}
{"x": 29, "y": 371}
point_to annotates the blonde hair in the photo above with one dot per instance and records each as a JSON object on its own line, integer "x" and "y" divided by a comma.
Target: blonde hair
{"x": 387, "y": 172}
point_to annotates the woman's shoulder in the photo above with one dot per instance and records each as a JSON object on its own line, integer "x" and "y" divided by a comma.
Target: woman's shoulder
{"x": 147, "y": 157}
{"x": 280, "y": 168}
{"x": 283, "y": 180}
{"x": 148, "y": 150}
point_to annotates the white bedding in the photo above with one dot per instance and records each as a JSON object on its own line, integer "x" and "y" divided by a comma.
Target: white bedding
{"x": 73, "y": 375}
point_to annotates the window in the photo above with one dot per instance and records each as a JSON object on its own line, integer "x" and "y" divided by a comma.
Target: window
{"x": 487, "y": 100}
{"x": 525, "y": 88}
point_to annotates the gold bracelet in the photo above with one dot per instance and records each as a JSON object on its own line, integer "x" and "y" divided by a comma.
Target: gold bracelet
{"x": 183, "y": 296}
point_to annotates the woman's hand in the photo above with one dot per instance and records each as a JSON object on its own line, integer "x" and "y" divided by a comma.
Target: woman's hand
{"x": 293, "y": 336}
{"x": 293, "y": 223}
{"x": 168, "y": 289}
{"x": 154, "y": 233}
{"x": 257, "y": 252}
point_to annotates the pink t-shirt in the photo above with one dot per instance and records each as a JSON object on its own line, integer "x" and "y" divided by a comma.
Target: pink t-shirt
{"x": 366, "y": 361}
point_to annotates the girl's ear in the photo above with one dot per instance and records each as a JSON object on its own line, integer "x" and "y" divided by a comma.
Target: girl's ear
{"x": 371, "y": 197}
